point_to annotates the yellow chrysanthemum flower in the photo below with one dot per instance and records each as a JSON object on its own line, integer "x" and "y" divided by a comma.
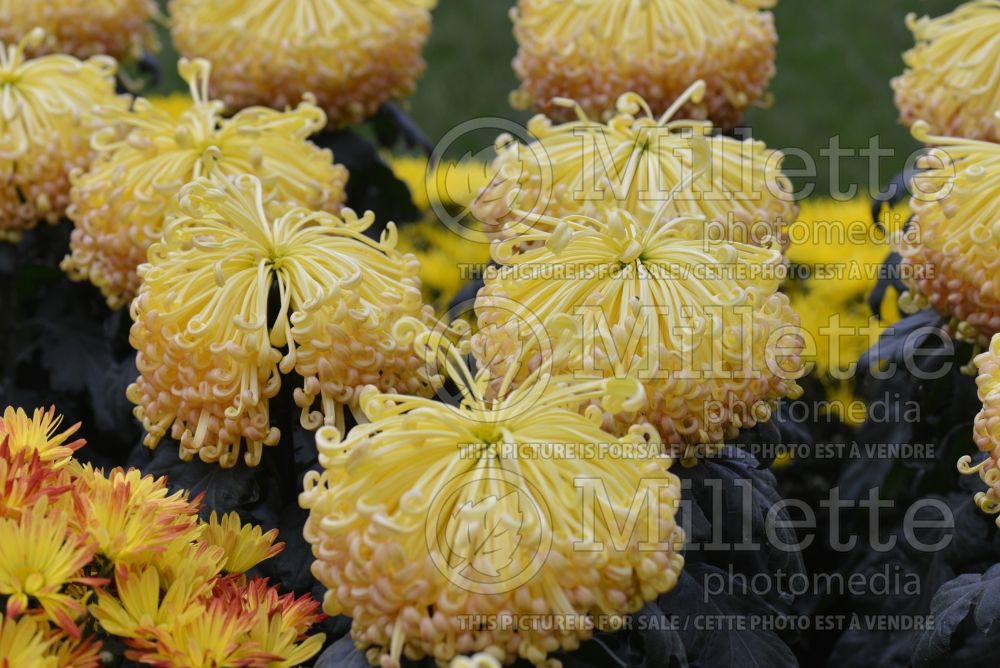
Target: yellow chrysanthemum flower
{"x": 199, "y": 559}
{"x": 210, "y": 353}
{"x": 448, "y": 183}
{"x": 173, "y": 104}
{"x": 352, "y": 56}
{"x": 986, "y": 430}
{"x": 842, "y": 251}
{"x": 245, "y": 544}
{"x": 23, "y": 642}
{"x": 447, "y": 260}
{"x": 639, "y": 162}
{"x": 952, "y": 76}
{"x": 120, "y": 204}
{"x": 432, "y": 516}
{"x": 952, "y": 252}
{"x": 46, "y": 107}
{"x": 133, "y": 518}
{"x": 39, "y": 433}
{"x": 595, "y": 50}
{"x": 82, "y": 28}
{"x": 700, "y": 322}
{"x": 39, "y": 557}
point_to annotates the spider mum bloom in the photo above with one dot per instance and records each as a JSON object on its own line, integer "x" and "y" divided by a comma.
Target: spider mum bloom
{"x": 39, "y": 433}
{"x": 352, "y": 56}
{"x": 245, "y": 544}
{"x": 432, "y": 512}
{"x": 986, "y": 429}
{"x": 46, "y": 118}
{"x": 211, "y": 355}
{"x": 952, "y": 80}
{"x": 119, "y": 205}
{"x": 640, "y": 162}
{"x": 82, "y": 28}
{"x": 953, "y": 241}
{"x": 700, "y": 323}
{"x": 595, "y": 50}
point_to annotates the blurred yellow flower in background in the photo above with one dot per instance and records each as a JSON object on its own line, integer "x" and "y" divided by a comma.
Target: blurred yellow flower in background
{"x": 838, "y": 253}
{"x": 173, "y": 104}
{"x": 119, "y": 205}
{"x": 951, "y": 77}
{"x": 450, "y": 183}
{"x": 592, "y": 51}
{"x": 352, "y": 56}
{"x": 448, "y": 260}
{"x": 46, "y": 117}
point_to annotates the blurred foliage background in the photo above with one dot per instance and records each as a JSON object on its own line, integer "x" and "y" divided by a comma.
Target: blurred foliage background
{"x": 835, "y": 60}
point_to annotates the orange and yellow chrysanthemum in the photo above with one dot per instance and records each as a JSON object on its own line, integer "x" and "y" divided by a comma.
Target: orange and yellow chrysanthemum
{"x": 120, "y": 204}
{"x": 39, "y": 556}
{"x": 986, "y": 429}
{"x": 592, "y": 51}
{"x": 66, "y": 528}
{"x": 352, "y": 56}
{"x": 951, "y": 252}
{"x": 131, "y": 517}
{"x": 211, "y": 355}
{"x": 144, "y": 602}
{"x": 39, "y": 433}
{"x": 245, "y": 545}
{"x": 46, "y": 117}
{"x": 24, "y": 642}
{"x": 433, "y": 513}
{"x": 952, "y": 77}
